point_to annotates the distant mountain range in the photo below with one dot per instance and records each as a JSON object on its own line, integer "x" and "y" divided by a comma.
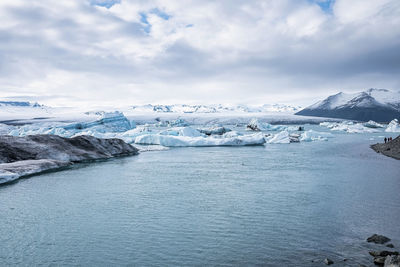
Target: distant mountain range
{"x": 380, "y": 105}
{"x": 183, "y": 108}
{"x": 18, "y": 104}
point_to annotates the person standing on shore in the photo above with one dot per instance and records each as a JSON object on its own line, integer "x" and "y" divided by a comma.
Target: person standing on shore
{"x": 385, "y": 140}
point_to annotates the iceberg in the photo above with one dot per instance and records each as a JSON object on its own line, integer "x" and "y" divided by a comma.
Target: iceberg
{"x": 373, "y": 124}
{"x": 311, "y": 135}
{"x": 182, "y": 131}
{"x": 109, "y": 122}
{"x": 393, "y": 127}
{"x": 188, "y": 141}
{"x": 215, "y": 130}
{"x": 349, "y": 127}
{"x": 256, "y": 125}
{"x": 279, "y": 138}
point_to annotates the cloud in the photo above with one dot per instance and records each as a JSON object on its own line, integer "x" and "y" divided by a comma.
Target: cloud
{"x": 136, "y": 51}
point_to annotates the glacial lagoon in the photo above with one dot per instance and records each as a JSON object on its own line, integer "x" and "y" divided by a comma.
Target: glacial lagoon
{"x": 273, "y": 205}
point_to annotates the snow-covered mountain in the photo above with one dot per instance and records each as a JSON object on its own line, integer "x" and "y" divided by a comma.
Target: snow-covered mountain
{"x": 183, "y": 108}
{"x": 373, "y": 104}
{"x": 19, "y": 104}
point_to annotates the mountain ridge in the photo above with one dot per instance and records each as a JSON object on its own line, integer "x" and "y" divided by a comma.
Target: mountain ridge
{"x": 380, "y": 105}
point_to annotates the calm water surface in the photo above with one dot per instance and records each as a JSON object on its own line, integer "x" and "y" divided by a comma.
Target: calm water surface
{"x": 278, "y": 205}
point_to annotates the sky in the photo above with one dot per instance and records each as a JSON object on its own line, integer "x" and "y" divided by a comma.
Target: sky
{"x": 130, "y": 52}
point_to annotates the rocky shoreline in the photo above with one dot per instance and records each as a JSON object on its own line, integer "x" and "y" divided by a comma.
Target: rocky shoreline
{"x": 390, "y": 149}
{"x": 382, "y": 256}
{"x": 33, "y": 154}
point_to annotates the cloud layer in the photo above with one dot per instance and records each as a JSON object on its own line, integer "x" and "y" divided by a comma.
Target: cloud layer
{"x": 102, "y": 52}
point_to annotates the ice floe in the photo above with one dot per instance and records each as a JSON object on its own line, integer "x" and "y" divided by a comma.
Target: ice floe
{"x": 373, "y": 124}
{"x": 111, "y": 122}
{"x": 256, "y": 125}
{"x": 349, "y": 127}
{"x": 393, "y": 127}
{"x": 279, "y": 138}
{"x": 184, "y": 141}
{"x": 311, "y": 135}
{"x": 214, "y": 130}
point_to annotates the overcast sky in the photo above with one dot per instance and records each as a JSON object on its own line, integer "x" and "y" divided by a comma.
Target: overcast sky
{"x": 99, "y": 52}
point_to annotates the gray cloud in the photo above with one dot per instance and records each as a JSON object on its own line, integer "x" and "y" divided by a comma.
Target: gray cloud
{"x": 231, "y": 52}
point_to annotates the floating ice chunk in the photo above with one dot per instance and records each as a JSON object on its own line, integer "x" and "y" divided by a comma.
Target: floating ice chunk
{"x": 311, "y": 135}
{"x": 5, "y": 129}
{"x": 349, "y": 127}
{"x": 373, "y": 124}
{"x": 256, "y": 125}
{"x": 178, "y": 122}
{"x": 182, "y": 131}
{"x": 279, "y": 138}
{"x": 148, "y": 148}
{"x": 230, "y": 134}
{"x": 183, "y": 141}
{"x": 215, "y": 130}
{"x": 393, "y": 127}
{"x": 108, "y": 122}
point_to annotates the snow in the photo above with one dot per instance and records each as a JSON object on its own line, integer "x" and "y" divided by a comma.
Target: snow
{"x": 183, "y": 108}
{"x": 366, "y": 98}
{"x": 333, "y": 101}
{"x": 393, "y": 127}
{"x": 384, "y": 96}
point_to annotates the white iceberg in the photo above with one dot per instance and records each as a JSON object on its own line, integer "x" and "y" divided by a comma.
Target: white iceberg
{"x": 373, "y": 124}
{"x": 311, "y": 135}
{"x": 256, "y": 125}
{"x": 186, "y": 141}
{"x": 108, "y": 122}
{"x": 182, "y": 131}
{"x": 393, "y": 127}
{"x": 279, "y": 138}
{"x": 214, "y": 130}
{"x": 349, "y": 127}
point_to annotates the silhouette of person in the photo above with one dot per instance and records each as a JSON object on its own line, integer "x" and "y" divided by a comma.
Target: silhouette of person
{"x": 385, "y": 140}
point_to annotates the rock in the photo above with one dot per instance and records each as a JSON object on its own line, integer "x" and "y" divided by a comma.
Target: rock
{"x": 328, "y": 261}
{"x": 383, "y": 253}
{"x": 392, "y": 261}
{"x": 379, "y": 260}
{"x": 21, "y": 156}
{"x": 390, "y": 149}
{"x": 390, "y": 245}
{"x": 378, "y": 239}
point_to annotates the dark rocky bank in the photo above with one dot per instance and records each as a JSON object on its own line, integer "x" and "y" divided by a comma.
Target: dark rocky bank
{"x": 390, "y": 149}
{"x": 21, "y": 156}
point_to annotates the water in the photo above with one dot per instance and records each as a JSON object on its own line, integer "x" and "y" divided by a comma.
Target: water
{"x": 279, "y": 205}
